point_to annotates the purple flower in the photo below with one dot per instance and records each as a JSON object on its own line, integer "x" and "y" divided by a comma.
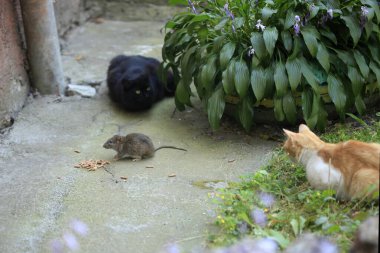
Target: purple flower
{"x": 230, "y": 15}
{"x": 330, "y": 13}
{"x": 266, "y": 199}
{"x": 172, "y": 248}
{"x": 363, "y": 16}
{"x": 364, "y": 11}
{"x": 192, "y": 7}
{"x": 259, "y": 25}
{"x": 296, "y": 29}
{"x": 259, "y": 217}
{"x": 71, "y": 241}
{"x": 251, "y": 51}
{"x": 79, "y": 227}
{"x": 297, "y": 18}
{"x": 57, "y": 246}
{"x": 228, "y": 12}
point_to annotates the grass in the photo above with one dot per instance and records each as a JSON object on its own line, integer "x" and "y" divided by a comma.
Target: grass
{"x": 297, "y": 208}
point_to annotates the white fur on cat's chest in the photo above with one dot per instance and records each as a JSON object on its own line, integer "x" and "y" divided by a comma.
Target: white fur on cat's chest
{"x": 321, "y": 175}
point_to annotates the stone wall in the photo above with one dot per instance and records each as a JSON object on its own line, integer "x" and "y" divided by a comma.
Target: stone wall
{"x": 14, "y": 82}
{"x": 72, "y": 13}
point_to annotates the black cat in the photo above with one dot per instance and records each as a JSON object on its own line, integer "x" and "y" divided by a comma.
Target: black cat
{"x": 133, "y": 82}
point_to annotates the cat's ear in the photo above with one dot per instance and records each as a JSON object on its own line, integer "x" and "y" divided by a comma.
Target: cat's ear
{"x": 303, "y": 128}
{"x": 288, "y": 133}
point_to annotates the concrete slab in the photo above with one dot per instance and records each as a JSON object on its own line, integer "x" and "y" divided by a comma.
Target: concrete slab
{"x": 41, "y": 191}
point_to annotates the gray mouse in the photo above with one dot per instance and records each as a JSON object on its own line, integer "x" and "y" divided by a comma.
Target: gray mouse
{"x": 135, "y": 145}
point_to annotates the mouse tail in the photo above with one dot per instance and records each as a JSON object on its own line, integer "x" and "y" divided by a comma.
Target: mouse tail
{"x": 172, "y": 147}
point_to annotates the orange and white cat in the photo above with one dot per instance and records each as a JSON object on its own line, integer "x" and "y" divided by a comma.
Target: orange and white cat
{"x": 350, "y": 168}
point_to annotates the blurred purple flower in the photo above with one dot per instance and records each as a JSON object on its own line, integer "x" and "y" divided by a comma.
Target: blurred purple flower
{"x": 172, "y": 248}
{"x": 71, "y": 241}
{"x": 326, "y": 246}
{"x": 259, "y": 217}
{"x": 242, "y": 228}
{"x": 259, "y": 25}
{"x": 230, "y": 15}
{"x": 228, "y": 12}
{"x": 247, "y": 245}
{"x": 57, "y": 246}
{"x": 266, "y": 199}
{"x": 192, "y": 7}
{"x": 330, "y": 13}
{"x": 251, "y": 51}
{"x": 297, "y": 18}
{"x": 296, "y": 29}
{"x": 363, "y": 16}
{"x": 364, "y": 11}
{"x": 79, "y": 227}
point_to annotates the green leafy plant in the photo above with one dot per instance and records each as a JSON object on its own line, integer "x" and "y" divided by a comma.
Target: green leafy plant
{"x": 295, "y": 54}
{"x": 294, "y": 207}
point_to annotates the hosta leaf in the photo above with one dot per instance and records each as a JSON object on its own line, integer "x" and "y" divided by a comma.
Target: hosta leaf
{"x": 307, "y": 72}
{"x": 228, "y": 86}
{"x": 307, "y": 103}
{"x": 346, "y": 57}
{"x": 289, "y": 20}
{"x": 246, "y": 112}
{"x": 280, "y": 79}
{"x": 328, "y": 34}
{"x": 228, "y": 79}
{"x": 360, "y": 60}
{"x": 215, "y": 108}
{"x": 360, "y": 105}
{"x": 270, "y": 35}
{"x": 293, "y": 68}
{"x": 323, "y": 57}
{"x": 278, "y": 111}
{"x": 269, "y": 77}
{"x": 375, "y": 69}
{"x": 289, "y": 107}
{"x": 297, "y": 47}
{"x": 375, "y": 52}
{"x": 286, "y": 38}
{"x": 353, "y": 25}
{"x": 310, "y": 35}
{"x": 375, "y": 6}
{"x": 266, "y": 13}
{"x": 182, "y": 93}
{"x": 221, "y": 24}
{"x": 368, "y": 29}
{"x": 258, "y": 45}
{"x": 218, "y": 43}
{"x": 356, "y": 80}
{"x": 226, "y": 54}
{"x": 208, "y": 73}
{"x": 337, "y": 94}
{"x": 258, "y": 83}
{"x": 200, "y": 17}
{"x": 238, "y": 22}
{"x": 187, "y": 65}
{"x": 241, "y": 78}
{"x": 314, "y": 11}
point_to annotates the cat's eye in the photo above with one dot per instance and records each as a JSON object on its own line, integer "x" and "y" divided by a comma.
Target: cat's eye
{"x": 138, "y": 92}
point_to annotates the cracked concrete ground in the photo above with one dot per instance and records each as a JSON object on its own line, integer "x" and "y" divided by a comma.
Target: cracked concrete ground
{"x": 159, "y": 203}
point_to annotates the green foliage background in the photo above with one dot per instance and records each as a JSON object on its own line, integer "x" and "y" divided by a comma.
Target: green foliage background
{"x": 339, "y": 53}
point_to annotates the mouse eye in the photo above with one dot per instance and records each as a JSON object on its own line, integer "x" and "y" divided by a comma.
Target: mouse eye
{"x": 138, "y": 92}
